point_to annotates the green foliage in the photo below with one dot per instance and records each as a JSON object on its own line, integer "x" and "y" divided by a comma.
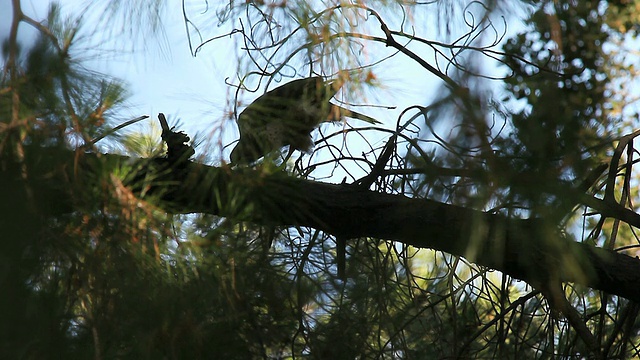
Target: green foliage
{"x": 565, "y": 85}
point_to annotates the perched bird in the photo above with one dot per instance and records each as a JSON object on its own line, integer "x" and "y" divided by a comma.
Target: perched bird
{"x": 287, "y": 115}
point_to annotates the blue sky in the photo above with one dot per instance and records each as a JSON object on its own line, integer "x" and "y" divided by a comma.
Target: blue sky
{"x": 164, "y": 77}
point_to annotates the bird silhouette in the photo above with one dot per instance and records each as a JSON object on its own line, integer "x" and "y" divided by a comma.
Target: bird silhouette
{"x": 287, "y": 115}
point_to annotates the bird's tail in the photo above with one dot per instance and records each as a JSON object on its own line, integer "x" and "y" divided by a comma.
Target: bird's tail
{"x": 338, "y": 113}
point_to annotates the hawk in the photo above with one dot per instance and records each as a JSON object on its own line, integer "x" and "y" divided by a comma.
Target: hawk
{"x": 287, "y": 115}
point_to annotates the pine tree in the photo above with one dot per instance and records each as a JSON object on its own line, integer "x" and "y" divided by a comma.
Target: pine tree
{"x": 133, "y": 253}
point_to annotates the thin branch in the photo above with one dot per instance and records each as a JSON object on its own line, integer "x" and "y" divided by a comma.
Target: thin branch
{"x": 111, "y": 131}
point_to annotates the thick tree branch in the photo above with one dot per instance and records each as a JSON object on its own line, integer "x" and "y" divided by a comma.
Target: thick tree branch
{"x": 531, "y": 250}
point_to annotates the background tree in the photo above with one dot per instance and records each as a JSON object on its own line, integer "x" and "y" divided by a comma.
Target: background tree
{"x": 100, "y": 259}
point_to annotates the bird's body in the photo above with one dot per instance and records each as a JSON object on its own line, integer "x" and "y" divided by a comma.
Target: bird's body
{"x": 286, "y": 116}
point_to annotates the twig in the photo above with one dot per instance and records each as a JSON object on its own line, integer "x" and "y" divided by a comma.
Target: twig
{"x": 111, "y": 131}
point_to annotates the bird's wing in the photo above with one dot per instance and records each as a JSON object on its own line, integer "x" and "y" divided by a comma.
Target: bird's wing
{"x": 303, "y": 103}
{"x": 298, "y": 101}
{"x": 268, "y": 105}
{"x": 297, "y": 88}
{"x": 310, "y": 95}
